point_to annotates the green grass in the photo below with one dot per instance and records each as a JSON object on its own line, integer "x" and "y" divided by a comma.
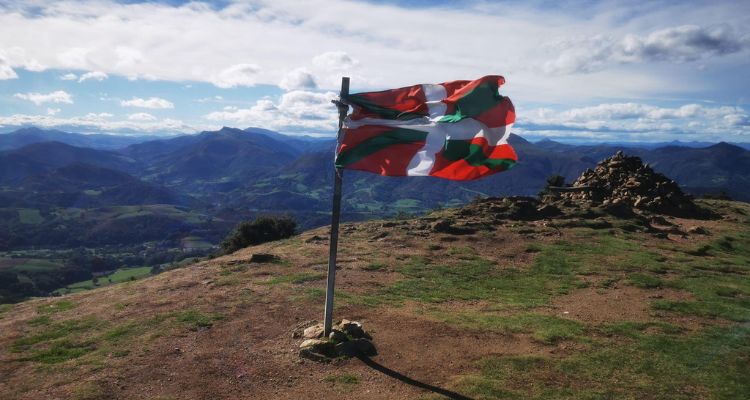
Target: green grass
{"x": 195, "y": 320}
{"x": 310, "y": 294}
{"x": 471, "y": 278}
{"x": 123, "y": 332}
{"x": 52, "y": 332}
{"x": 30, "y": 216}
{"x": 716, "y": 274}
{"x": 375, "y": 266}
{"x": 543, "y": 328}
{"x": 40, "y": 321}
{"x": 645, "y": 281}
{"x": 119, "y": 276}
{"x": 345, "y": 379}
{"x": 4, "y": 308}
{"x": 61, "y": 351}
{"x": 38, "y": 265}
{"x": 711, "y": 364}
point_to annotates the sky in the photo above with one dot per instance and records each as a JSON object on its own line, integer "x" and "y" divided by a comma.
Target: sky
{"x": 598, "y": 71}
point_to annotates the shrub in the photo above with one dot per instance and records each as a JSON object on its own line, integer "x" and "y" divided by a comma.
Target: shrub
{"x": 260, "y": 230}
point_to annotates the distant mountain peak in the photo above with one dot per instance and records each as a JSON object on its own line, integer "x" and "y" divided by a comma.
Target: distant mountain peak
{"x": 724, "y": 146}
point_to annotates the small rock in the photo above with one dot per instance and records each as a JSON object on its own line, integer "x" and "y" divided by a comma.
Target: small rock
{"x": 379, "y": 236}
{"x": 353, "y": 329}
{"x": 313, "y": 343}
{"x": 317, "y": 350}
{"x": 313, "y": 332}
{"x": 698, "y": 230}
{"x": 315, "y": 238}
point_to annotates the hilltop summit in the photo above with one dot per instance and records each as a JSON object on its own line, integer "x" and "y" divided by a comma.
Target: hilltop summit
{"x": 626, "y": 180}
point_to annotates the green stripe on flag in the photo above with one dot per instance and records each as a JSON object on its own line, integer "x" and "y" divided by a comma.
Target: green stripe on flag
{"x": 480, "y": 99}
{"x": 473, "y": 154}
{"x": 379, "y": 142}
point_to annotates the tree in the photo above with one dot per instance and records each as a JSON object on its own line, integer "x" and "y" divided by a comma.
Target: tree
{"x": 260, "y": 230}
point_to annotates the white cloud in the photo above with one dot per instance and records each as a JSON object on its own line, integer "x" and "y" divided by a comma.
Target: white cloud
{"x": 294, "y": 111}
{"x": 93, "y": 75}
{"x": 69, "y": 77}
{"x": 151, "y": 102}
{"x": 628, "y": 52}
{"x": 53, "y": 111}
{"x": 6, "y": 72}
{"x": 58, "y": 96}
{"x": 73, "y": 58}
{"x": 334, "y": 60}
{"x": 299, "y": 78}
{"x": 141, "y": 117}
{"x": 388, "y": 45}
{"x": 620, "y": 121}
{"x": 237, "y": 75}
{"x": 101, "y": 122}
{"x": 18, "y": 57}
{"x": 675, "y": 44}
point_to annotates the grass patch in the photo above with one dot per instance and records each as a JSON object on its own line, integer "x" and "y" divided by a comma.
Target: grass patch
{"x": 636, "y": 330}
{"x": 345, "y": 379}
{"x": 227, "y": 270}
{"x": 645, "y": 281}
{"x": 122, "y": 332}
{"x": 311, "y": 294}
{"x": 711, "y": 364}
{"x": 718, "y": 281}
{"x": 41, "y": 320}
{"x": 30, "y": 216}
{"x": 4, "y": 308}
{"x": 120, "y": 353}
{"x": 475, "y": 279}
{"x": 196, "y": 320}
{"x": 61, "y": 351}
{"x": 56, "y": 331}
{"x": 547, "y": 329}
{"x": 119, "y": 276}
{"x": 375, "y": 266}
{"x": 53, "y": 308}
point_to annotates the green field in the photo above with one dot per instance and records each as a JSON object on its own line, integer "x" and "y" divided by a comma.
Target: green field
{"x": 29, "y": 264}
{"x": 30, "y": 216}
{"x": 121, "y": 275}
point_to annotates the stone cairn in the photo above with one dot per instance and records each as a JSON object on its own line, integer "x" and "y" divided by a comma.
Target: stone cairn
{"x": 624, "y": 181}
{"x": 347, "y": 339}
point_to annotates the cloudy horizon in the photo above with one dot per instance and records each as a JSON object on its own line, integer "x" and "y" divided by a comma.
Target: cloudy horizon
{"x": 586, "y": 70}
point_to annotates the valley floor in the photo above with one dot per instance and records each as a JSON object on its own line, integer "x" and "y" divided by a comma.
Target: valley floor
{"x": 578, "y": 308}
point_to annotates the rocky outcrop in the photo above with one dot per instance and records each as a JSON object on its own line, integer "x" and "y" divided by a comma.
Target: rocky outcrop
{"x": 347, "y": 339}
{"x": 624, "y": 182}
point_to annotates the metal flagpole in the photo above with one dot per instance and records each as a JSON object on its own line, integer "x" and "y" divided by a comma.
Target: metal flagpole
{"x": 335, "y": 215}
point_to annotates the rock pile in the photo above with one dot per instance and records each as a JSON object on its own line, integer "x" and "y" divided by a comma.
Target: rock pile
{"x": 625, "y": 182}
{"x": 347, "y": 339}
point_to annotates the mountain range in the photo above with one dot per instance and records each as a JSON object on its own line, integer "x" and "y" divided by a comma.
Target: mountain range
{"x": 234, "y": 174}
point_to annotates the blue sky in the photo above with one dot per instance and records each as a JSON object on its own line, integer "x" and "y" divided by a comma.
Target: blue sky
{"x": 577, "y": 70}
